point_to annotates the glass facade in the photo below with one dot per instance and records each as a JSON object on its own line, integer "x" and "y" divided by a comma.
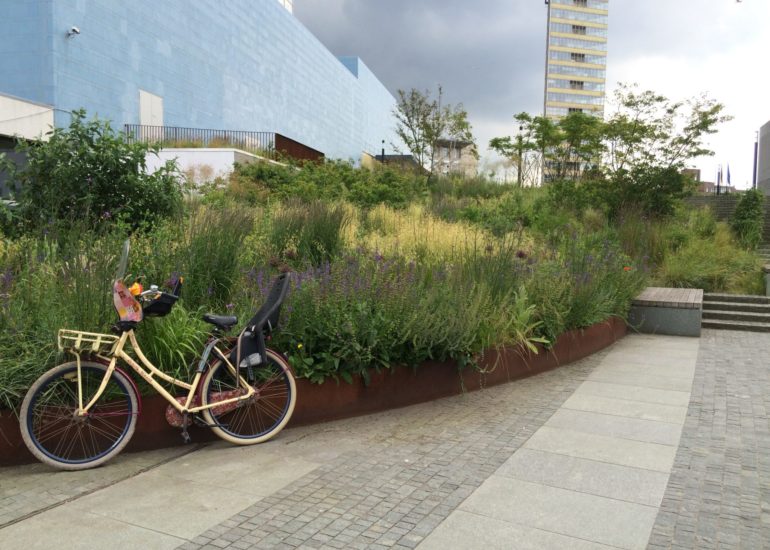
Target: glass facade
{"x": 576, "y": 57}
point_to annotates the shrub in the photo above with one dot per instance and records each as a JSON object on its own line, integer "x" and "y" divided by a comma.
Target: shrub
{"x": 90, "y": 172}
{"x": 328, "y": 180}
{"x": 384, "y": 185}
{"x": 748, "y": 219}
{"x": 656, "y": 192}
{"x": 715, "y": 264}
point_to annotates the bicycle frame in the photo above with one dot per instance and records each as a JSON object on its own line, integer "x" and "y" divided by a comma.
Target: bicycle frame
{"x": 148, "y": 372}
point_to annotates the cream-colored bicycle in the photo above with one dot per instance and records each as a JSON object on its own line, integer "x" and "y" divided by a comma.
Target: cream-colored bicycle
{"x": 83, "y": 412}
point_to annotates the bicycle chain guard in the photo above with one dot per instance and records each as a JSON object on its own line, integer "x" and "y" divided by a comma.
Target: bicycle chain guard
{"x": 176, "y": 419}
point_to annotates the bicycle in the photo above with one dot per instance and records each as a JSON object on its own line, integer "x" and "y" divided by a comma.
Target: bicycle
{"x": 83, "y": 412}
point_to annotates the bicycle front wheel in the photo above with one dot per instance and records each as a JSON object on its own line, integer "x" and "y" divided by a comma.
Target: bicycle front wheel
{"x": 57, "y": 435}
{"x": 256, "y": 419}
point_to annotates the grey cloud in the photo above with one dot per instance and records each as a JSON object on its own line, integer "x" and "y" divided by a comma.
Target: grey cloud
{"x": 487, "y": 54}
{"x": 490, "y": 54}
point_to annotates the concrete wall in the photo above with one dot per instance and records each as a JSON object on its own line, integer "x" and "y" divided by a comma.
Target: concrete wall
{"x": 763, "y": 167}
{"x": 24, "y": 119}
{"x": 26, "y": 49}
{"x": 235, "y": 65}
{"x": 201, "y": 166}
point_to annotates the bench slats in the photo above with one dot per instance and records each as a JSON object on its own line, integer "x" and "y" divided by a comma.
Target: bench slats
{"x": 685, "y": 298}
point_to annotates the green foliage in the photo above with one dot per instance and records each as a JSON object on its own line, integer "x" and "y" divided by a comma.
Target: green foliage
{"x": 584, "y": 280}
{"x": 364, "y": 311}
{"x": 256, "y": 183}
{"x": 649, "y": 131}
{"x": 655, "y": 191}
{"x": 311, "y": 231}
{"x": 90, "y": 172}
{"x": 633, "y": 160}
{"x": 8, "y": 221}
{"x": 422, "y": 122}
{"x": 715, "y": 264}
{"x": 748, "y": 219}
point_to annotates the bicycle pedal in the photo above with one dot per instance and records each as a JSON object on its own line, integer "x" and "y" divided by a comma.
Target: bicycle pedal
{"x": 186, "y": 437}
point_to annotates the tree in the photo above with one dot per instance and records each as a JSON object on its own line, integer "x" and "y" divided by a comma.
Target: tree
{"x": 648, "y": 141}
{"x": 519, "y": 149}
{"x": 648, "y": 130}
{"x": 635, "y": 157}
{"x": 421, "y": 122}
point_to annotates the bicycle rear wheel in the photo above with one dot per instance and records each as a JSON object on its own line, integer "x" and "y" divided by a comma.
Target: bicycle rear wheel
{"x": 253, "y": 420}
{"x": 56, "y": 435}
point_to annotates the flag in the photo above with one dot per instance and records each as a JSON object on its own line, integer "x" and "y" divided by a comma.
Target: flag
{"x": 719, "y": 178}
{"x": 728, "y": 174}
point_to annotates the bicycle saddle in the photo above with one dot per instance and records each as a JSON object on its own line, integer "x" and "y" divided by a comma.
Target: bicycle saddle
{"x": 224, "y": 322}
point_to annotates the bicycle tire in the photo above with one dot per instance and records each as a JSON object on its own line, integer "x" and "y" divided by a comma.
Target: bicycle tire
{"x": 57, "y": 437}
{"x": 255, "y": 420}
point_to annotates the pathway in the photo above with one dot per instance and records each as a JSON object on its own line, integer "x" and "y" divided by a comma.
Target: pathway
{"x": 574, "y": 458}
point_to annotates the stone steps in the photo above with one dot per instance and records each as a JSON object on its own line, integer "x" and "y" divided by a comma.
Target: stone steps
{"x": 732, "y": 315}
{"x": 733, "y": 298}
{"x": 736, "y": 312}
{"x": 736, "y": 325}
{"x": 736, "y": 306}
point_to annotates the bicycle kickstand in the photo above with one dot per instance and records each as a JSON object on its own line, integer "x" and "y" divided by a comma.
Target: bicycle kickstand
{"x": 185, "y": 435}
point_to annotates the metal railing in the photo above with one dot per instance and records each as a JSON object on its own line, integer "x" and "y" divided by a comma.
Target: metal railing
{"x": 268, "y": 144}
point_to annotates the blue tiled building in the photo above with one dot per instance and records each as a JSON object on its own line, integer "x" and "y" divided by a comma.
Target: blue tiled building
{"x": 234, "y": 65}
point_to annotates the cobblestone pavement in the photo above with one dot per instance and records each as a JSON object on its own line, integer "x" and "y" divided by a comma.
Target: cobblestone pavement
{"x": 408, "y": 478}
{"x": 718, "y": 494}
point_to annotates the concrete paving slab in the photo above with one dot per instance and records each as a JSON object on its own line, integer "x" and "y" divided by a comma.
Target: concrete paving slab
{"x": 650, "y": 431}
{"x": 660, "y": 342}
{"x": 614, "y": 450}
{"x": 256, "y": 470}
{"x": 640, "y": 356}
{"x": 476, "y": 532}
{"x": 164, "y": 504}
{"x": 655, "y": 366}
{"x": 587, "y": 476}
{"x": 72, "y": 529}
{"x": 643, "y": 380}
{"x": 623, "y": 407}
{"x": 34, "y": 487}
{"x": 635, "y": 393}
{"x": 587, "y": 517}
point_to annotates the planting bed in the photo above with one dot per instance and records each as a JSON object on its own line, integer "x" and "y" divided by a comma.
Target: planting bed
{"x": 390, "y": 389}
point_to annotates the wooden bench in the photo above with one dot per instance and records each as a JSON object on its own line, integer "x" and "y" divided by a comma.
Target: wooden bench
{"x": 675, "y": 311}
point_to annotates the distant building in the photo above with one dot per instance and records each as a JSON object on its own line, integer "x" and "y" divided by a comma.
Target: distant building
{"x": 576, "y": 57}
{"x": 238, "y": 65}
{"x": 709, "y": 187}
{"x": 763, "y": 159}
{"x": 456, "y": 157}
{"x": 693, "y": 173}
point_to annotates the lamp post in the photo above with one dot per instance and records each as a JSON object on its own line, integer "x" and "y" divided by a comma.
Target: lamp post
{"x": 519, "y": 155}
{"x": 756, "y": 152}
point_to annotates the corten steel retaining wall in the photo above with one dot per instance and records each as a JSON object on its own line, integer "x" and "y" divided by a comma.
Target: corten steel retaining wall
{"x": 397, "y": 387}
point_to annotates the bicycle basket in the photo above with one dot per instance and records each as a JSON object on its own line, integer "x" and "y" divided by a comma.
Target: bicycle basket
{"x": 87, "y": 342}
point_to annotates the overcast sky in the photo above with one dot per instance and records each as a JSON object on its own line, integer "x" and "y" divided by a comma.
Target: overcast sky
{"x": 490, "y": 55}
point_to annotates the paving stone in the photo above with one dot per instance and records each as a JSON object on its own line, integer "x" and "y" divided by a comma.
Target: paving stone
{"x": 720, "y": 481}
{"x": 413, "y": 473}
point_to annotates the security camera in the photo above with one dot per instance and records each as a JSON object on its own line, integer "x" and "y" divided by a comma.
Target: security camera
{"x": 72, "y": 32}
